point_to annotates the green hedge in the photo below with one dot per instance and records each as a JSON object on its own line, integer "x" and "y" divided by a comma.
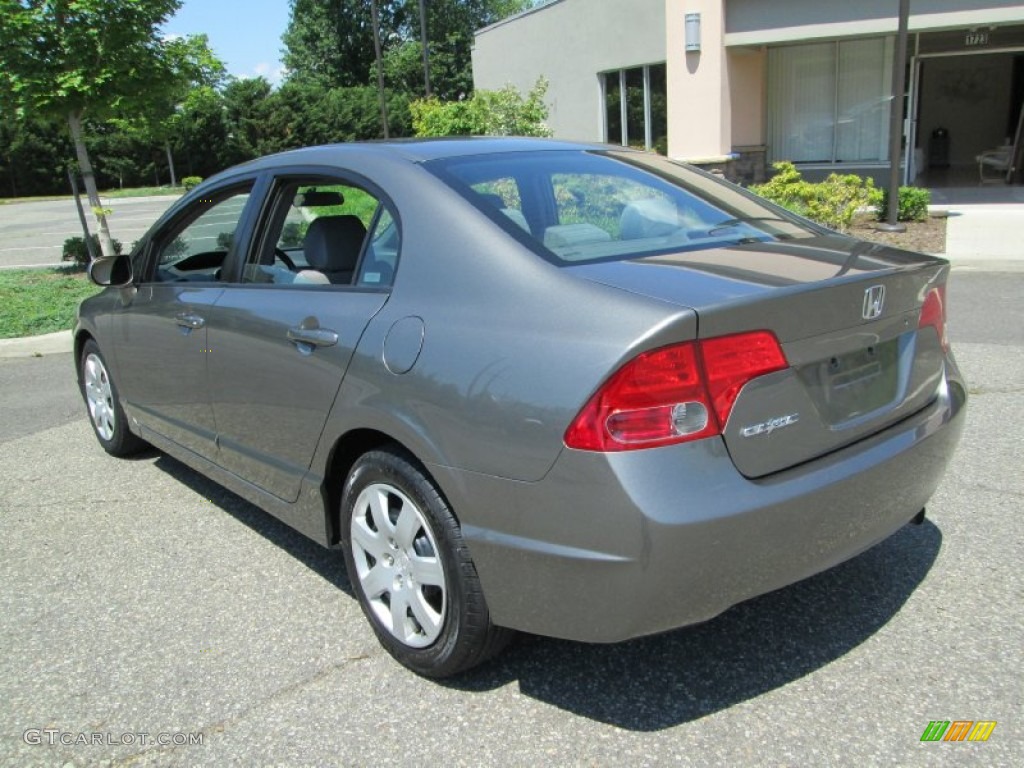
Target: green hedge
{"x": 914, "y": 202}
{"x": 831, "y": 203}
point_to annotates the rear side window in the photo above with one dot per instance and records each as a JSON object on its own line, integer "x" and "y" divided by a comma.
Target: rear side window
{"x": 324, "y": 232}
{"x": 577, "y": 207}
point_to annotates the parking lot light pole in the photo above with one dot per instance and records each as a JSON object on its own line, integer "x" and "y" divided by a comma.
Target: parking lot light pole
{"x": 426, "y": 47}
{"x": 899, "y": 82}
{"x": 374, "y": 18}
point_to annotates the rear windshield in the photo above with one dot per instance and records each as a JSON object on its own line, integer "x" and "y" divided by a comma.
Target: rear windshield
{"x": 577, "y": 207}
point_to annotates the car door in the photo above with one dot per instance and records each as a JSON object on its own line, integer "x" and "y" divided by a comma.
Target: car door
{"x": 160, "y": 329}
{"x": 281, "y": 335}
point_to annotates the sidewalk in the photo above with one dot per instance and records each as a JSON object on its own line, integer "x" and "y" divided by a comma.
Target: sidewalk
{"x": 37, "y": 346}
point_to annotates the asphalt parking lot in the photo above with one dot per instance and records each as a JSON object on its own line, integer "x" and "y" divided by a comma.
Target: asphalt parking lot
{"x": 34, "y": 231}
{"x": 141, "y": 603}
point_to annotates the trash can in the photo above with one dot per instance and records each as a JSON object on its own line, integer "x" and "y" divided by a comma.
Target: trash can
{"x": 938, "y": 149}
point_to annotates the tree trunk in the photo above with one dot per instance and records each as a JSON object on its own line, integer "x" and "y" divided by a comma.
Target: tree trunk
{"x": 75, "y": 124}
{"x": 170, "y": 163}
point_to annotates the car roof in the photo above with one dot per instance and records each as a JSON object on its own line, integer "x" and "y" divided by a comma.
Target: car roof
{"x": 412, "y": 150}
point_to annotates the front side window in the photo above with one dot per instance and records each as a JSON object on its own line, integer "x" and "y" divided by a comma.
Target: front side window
{"x": 196, "y": 246}
{"x": 596, "y": 206}
{"x": 324, "y": 232}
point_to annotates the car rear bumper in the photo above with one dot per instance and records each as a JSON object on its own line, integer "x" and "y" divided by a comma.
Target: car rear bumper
{"x": 609, "y": 547}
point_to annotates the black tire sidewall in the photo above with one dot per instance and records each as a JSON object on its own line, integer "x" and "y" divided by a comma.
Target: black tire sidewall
{"x": 122, "y": 442}
{"x": 445, "y": 655}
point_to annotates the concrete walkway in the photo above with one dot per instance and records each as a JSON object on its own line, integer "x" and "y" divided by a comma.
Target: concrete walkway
{"x": 986, "y": 222}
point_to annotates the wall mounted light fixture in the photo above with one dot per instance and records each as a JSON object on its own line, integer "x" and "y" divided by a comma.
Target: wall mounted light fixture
{"x": 693, "y": 32}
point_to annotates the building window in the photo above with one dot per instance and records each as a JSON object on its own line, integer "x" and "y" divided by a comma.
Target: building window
{"x": 641, "y": 119}
{"x": 829, "y": 102}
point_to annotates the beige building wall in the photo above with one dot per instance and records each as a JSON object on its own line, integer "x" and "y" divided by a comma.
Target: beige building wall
{"x": 699, "y": 104}
{"x": 569, "y": 42}
{"x": 749, "y": 84}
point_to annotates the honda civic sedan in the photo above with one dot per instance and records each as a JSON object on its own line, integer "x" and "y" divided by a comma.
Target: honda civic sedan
{"x": 578, "y": 391}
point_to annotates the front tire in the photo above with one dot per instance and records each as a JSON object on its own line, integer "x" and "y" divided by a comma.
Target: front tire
{"x": 411, "y": 569}
{"x": 101, "y": 399}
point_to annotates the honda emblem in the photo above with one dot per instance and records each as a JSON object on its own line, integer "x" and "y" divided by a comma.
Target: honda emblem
{"x": 874, "y": 301}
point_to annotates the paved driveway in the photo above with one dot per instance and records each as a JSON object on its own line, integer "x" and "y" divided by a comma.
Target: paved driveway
{"x": 137, "y": 598}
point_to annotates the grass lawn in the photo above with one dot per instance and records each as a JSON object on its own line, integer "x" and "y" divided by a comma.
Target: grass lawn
{"x": 36, "y": 301}
{"x": 143, "y": 192}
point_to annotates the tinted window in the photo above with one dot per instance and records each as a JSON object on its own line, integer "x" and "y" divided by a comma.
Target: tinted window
{"x": 591, "y": 206}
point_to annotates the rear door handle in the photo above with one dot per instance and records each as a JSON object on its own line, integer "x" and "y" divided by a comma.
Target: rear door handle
{"x": 313, "y": 337}
{"x": 188, "y": 320}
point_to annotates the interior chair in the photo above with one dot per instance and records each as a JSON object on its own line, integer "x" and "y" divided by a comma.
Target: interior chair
{"x": 332, "y": 248}
{"x": 999, "y": 160}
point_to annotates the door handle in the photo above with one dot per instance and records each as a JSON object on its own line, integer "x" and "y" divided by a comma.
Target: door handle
{"x": 188, "y": 320}
{"x": 313, "y": 337}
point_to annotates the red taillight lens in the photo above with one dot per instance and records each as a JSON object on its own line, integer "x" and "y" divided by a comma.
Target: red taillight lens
{"x": 673, "y": 394}
{"x": 732, "y": 361}
{"x": 933, "y": 313}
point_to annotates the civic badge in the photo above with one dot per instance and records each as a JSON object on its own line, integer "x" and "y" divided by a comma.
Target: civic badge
{"x": 874, "y": 301}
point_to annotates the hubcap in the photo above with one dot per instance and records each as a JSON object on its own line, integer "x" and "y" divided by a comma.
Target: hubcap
{"x": 99, "y": 396}
{"x": 398, "y": 566}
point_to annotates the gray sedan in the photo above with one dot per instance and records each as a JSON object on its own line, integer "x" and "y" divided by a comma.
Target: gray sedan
{"x": 530, "y": 385}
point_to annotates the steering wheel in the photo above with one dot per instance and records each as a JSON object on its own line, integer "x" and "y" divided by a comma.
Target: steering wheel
{"x": 279, "y": 254}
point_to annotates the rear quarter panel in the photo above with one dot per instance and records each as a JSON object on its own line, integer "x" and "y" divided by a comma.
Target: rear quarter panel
{"x": 512, "y": 345}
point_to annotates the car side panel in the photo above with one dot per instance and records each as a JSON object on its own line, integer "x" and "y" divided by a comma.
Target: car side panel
{"x": 271, "y": 395}
{"x": 161, "y": 359}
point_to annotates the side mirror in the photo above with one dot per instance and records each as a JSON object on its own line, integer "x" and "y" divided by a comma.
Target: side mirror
{"x": 114, "y": 271}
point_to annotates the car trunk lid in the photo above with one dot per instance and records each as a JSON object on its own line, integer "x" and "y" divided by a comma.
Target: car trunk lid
{"x": 846, "y": 314}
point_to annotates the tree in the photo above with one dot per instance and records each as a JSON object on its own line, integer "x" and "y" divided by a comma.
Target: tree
{"x": 191, "y": 65}
{"x": 66, "y": 58}
{"x": 331, "y": 43}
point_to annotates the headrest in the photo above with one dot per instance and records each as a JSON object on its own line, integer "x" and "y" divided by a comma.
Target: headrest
{"x": 333, "y": 243}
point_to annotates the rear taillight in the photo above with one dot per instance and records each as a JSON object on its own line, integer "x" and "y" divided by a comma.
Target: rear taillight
{"x": 933, "y": 314}
{"x": 673, "y": 394}
{"x": 732, "y": 361}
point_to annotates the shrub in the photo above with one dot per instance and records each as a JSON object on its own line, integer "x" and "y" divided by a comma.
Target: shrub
{"x": 831, "y": 203}
{"x": 191, "y": 182}
{"x": 786, "y": 188}
{"x": 913, "y": 205}
{"x": 486, "y": 113}
{"x": 76, "y": 250}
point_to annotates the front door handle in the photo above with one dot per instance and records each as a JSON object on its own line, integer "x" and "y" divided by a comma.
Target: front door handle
{"x": 188, "y": 320}
{"x": 313, "y": 337}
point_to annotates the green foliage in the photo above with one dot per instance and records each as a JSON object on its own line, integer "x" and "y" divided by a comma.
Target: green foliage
{"x": 76, "y": 250}
{"x": 831, "y": 203}
{"x": 64, "y": 56}
{"x": 486, "y": 113}
{"x": 40, "y": 301}
{"x": 146, "y": 98}
{"x": 191, "y": 182}
{"x": 331, "y": 44}
{"x": 914, "y": 202}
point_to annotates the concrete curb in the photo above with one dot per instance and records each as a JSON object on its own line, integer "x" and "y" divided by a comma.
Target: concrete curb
{"x": 37, "y": 346}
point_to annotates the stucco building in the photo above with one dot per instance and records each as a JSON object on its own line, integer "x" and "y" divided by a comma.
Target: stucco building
{"x": 739, "y": 84}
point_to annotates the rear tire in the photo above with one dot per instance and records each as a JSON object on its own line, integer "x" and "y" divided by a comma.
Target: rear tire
{"x": 411, "y": 569}
{"x": 101, "y": 400}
